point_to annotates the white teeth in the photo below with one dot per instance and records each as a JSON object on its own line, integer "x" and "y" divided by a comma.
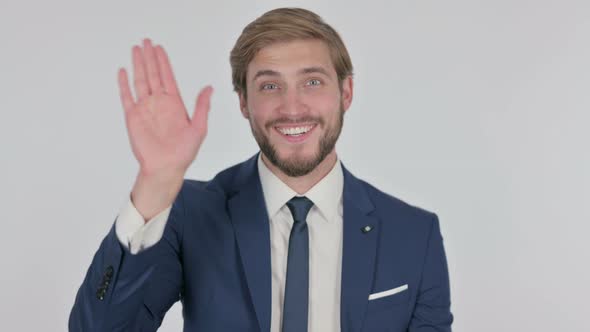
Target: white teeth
{"x": 295, "y": 130}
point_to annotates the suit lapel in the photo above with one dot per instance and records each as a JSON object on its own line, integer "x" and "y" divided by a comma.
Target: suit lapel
{"x": 250, "y": 220}
{"x": 248, "y": 214}
{"x": 358, "y": 253}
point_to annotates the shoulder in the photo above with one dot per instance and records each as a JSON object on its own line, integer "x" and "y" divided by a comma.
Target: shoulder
{"x": 395, "y": 211}
{"x": 221, "y": 186}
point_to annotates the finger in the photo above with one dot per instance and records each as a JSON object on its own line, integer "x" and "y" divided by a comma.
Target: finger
{"x": 166, "y": 72}
{"x": 201, "y": 112}
{"x": 142, "y": 89}
{"x": 151, "y": 66}
{"x": 125, "y": 91}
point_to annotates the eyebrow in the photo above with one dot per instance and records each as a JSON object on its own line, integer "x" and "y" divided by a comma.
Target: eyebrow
{"x": 308, "y": 70}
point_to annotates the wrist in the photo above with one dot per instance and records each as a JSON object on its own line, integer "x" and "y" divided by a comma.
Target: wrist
{"x": 153, "y": 193}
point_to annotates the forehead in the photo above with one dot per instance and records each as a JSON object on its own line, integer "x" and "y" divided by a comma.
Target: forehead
{"x": 289, "y": 57}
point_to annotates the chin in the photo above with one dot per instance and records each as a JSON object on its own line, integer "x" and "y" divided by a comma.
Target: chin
{"x": 295, "y": 159}
{"x": 294, "y": 163}
{"x": 298, "y": 158}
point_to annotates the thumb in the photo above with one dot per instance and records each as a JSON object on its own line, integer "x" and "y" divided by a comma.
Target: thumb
{"x": 201, "y": 111}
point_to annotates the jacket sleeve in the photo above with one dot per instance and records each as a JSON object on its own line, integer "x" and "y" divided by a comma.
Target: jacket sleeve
{"x": 126, "y": 292}
{"x": 432, "y": 312}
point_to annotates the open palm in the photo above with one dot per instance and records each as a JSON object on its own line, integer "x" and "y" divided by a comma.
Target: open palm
{"x": 162, "y": 136}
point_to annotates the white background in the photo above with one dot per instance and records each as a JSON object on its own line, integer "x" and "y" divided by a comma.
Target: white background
{"x": 476, "y": 110}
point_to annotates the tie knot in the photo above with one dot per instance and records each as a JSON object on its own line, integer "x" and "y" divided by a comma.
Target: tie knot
{"x": 299, "y": 206}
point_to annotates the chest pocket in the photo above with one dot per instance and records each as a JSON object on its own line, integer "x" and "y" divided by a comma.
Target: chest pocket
{"x": 395, "y": 297}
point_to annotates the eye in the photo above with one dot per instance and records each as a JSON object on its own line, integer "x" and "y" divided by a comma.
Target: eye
{"x": 314, "y": 82}
{"x": 269, "y": 86}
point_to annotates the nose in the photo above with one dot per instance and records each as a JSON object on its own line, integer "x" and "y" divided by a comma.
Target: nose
{"x": 293, "y": 104}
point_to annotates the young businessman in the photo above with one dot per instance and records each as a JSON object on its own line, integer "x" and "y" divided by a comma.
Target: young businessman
{"x": 288, "y": 240}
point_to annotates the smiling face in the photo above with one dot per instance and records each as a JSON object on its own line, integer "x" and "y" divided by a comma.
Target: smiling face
{"x": 295, "y": 104}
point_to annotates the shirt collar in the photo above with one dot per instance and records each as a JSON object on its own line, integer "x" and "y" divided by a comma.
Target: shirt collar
{"x": 326, "y": 195}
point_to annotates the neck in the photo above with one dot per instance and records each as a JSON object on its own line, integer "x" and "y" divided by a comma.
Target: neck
{"x": 303, "y": 183}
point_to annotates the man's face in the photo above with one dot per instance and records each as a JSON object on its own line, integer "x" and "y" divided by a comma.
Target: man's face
{"x": 295, "y": 105}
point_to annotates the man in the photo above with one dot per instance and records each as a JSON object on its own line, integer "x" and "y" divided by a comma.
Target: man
{"x": 288, "y": 240}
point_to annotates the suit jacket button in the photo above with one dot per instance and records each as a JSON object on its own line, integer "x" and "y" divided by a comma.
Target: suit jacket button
{"x": 109, "y": 271}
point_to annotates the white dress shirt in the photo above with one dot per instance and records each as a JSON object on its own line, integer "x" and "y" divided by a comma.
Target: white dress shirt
{"x": 324, "y": 222}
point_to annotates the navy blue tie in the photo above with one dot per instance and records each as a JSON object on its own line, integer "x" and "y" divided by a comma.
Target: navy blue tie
{"x": 295, "y": 307}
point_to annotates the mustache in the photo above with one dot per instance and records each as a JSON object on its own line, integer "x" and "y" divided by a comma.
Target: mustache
{"x": 293, "y": 121}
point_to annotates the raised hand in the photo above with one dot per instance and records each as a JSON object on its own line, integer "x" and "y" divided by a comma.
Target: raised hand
{"x": 164, "y": 140}
{"x": 162, "y": 136}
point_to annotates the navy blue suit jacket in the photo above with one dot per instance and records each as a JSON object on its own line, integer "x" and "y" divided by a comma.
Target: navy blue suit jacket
{"x": 214, "y": 256}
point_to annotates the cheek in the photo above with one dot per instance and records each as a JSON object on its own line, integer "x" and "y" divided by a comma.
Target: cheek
{"x": 324, "y": 103}
{"x": 263, "y": 104}
{"x": 260, "y": 109}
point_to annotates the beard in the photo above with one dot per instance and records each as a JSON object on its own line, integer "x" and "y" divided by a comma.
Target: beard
{"x": 296, "y": 167}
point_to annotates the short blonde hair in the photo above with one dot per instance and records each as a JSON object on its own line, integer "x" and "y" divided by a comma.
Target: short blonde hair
{"x": 281, "y": 25}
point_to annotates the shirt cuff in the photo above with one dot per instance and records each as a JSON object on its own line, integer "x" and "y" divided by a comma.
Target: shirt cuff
{"x": 136, "y": 234}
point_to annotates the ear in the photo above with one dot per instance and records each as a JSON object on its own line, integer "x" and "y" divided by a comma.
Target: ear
{"x": 243, "y": 105}
{"x": 347, "y": 87}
